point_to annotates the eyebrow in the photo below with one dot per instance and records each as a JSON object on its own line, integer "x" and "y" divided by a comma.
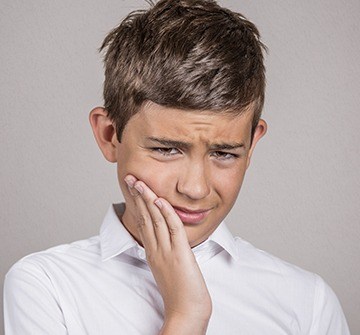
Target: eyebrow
{"x": 226, "y": 146}
{"x": 186, "y": 145}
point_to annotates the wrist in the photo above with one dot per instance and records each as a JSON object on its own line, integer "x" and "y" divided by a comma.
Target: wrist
{"x": 185, "y": 325}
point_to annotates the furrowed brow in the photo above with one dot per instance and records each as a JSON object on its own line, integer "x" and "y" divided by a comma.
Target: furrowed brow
{"x": 227, "y": 146}
{"x": 169, "y": 143}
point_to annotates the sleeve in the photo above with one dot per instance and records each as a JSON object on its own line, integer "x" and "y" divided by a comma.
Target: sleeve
{"x": 30, "y": 304}
{"x": 328, "y": 317}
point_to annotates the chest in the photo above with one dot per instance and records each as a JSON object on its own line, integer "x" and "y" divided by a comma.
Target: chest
{"x": 122, "y": 298}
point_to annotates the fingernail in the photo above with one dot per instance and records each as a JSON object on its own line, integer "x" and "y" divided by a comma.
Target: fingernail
{"x": 139, "y": 188}
{"x": 129, "y": 181}
{"x": 158, "y": 203}
{"x": 131, "y": 190}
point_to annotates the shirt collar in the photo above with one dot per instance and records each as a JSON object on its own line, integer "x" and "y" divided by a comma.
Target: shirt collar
{"x": 223, "y": 237}
{"x": 115, "y": 239}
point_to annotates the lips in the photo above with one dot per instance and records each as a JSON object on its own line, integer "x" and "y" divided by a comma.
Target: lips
{"x": 191, "y": 216}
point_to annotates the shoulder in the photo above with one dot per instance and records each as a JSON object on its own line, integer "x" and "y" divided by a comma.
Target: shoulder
{"x": 266, "y": 263}
{"x": 277, "y": 272}
{"x": 41, "y": 264}
{"x": 34, "y": 286}
{"x": 309, "y": 296}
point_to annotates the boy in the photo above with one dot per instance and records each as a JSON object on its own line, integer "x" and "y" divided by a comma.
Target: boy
{"x": 184, "y": 90}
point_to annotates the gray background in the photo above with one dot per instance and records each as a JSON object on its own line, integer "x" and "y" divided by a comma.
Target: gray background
{"x": 300, "y": 200}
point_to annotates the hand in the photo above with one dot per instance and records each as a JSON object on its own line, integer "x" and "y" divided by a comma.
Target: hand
{"x": 176, "y": 272}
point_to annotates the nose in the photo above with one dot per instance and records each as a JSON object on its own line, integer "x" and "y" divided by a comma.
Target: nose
{"x": 194, "y": 181}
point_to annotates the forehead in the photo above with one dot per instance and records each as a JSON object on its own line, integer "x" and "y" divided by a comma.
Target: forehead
{"x": 155, "y": 120}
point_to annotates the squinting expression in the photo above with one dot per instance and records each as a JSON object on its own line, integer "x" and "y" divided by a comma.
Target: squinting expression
{"x": 195, "y": 160}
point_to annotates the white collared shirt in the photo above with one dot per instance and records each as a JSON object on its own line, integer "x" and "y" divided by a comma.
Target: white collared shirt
{"x": 103, "y": 285}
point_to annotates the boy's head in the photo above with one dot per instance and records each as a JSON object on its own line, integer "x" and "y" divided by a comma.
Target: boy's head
{"x": 185, "y": 54}
{"x": 184, "y": 90}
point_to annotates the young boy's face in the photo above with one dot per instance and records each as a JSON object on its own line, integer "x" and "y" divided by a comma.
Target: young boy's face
{"x": 195, "y": 160}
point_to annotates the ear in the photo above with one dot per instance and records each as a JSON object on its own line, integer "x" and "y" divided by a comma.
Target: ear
{"x": 104, "y": 132}
{"x": 259, "y": 132}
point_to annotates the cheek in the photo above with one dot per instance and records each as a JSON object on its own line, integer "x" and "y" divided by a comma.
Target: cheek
{"x": 228, "y": 183}
{"x": 159, "y": 177}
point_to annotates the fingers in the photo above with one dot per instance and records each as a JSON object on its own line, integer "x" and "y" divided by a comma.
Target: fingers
{"x": 175, "y": 226}
{"x": 159, "y": 225}
{"x": 153, "y": 227}
{"x": 143, "y": 219}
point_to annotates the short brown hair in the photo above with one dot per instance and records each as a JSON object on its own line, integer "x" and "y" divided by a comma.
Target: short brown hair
{"x": 186, "y": 54}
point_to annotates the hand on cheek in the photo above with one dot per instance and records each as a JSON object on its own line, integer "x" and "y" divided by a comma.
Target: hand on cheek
{"x": 169, "y": 255}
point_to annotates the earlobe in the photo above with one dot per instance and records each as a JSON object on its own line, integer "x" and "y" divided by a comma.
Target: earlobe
{"x": 104, "y": 132}
{"x": 259, "y": 132}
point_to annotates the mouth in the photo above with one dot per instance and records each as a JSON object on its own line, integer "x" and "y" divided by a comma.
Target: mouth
{"x": 191, "y": 216}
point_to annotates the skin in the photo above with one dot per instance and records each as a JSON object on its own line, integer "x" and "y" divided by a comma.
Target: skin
{"x": 158, "y": 176}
